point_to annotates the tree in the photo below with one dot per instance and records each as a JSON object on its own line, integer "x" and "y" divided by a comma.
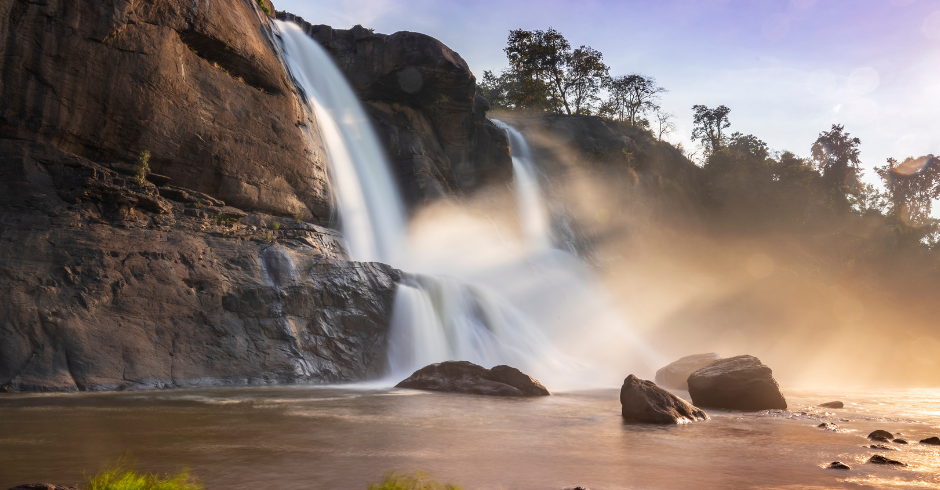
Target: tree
{"x": 632, "y": 96}
{"x": 750, "y": 145}
{"x": 836, "y": 155}
{"x": 663, "y": 124}
{"x": 548, "y": 73}
{"x": 911, "y": 188}
{"x": 708, "y": 126}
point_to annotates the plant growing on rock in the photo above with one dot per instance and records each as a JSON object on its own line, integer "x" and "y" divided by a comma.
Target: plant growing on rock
{"x": 299, "y": 217}
{"x": 275, "y": 225}
{"x": 142, "y": 167}
{"x": 419, "y": 481}
{"x": 264, "y": 7}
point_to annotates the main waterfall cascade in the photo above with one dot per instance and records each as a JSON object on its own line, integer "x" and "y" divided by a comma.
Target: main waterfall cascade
{"x": 466, "y": 297}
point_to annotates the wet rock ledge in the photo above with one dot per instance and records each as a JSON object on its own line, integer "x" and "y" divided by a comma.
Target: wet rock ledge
{"x": 110, "y": 283}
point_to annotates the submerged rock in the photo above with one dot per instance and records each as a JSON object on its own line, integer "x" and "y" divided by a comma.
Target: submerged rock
{"x": 828, "y": 426}
{"x": 881, "y": 436}
{"x": 643, "y": 401}
{"x": 835, "y": 404}
{"x": 879, "y": 459}
{"x": 737, "y": 383}
{"x": 838, "y": 465}
{"x": 467, "y": 377}
{"x": 931, "y": 440}
{"x": 675, "y": 375}
{"x": 882, "y": 447}
{"x": 899, "y": 441}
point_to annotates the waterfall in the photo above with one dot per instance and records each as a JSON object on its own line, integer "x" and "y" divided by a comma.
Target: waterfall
{"x": 533, "y": 214}
{"x": 371, "y": 211}
{"x": 467, "y": 295}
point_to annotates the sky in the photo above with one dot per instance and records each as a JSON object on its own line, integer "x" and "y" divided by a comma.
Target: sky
{"x": 788, "y": 69}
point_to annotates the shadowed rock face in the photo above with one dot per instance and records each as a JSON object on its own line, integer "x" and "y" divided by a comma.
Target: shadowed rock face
{"x": 466, "y": 377}
{"x": 198, "y": 84}
{"x": 675, "y": 375}
{"x": 737, "y": 383}
{"x": 643, "y": 401}
{"x": 107, "y": 284}
{"x": 422, "y": 99}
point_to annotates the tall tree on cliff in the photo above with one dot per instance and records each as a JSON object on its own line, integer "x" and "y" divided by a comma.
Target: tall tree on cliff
{"x": 545, "y": 72}
{"x": 836, "y": 155}
{"x": 709, "y": 125}
{"x": 632, "y": 96}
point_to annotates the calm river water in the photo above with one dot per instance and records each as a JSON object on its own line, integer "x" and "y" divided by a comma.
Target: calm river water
{"x": 303, "y": 437}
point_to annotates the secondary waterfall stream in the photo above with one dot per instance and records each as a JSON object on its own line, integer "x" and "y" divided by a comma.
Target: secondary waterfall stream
{"x": 479, "y": 304}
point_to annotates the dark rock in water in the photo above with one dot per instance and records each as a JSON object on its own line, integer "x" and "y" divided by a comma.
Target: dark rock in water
{"x": 42, "y": 486}
{"x": 838, "y": 465}
{"x": 879, "y": 459}
{"x": 899, "y": 441}
{"x": 828, "y": 426}
{"x": 422, "y": 99}
{"x": 466, "y": 377}
{"x": 737, "y": 383}
{"x": 931, "y": 440}
{"x": 645, "y": 402}
{"x": 836, "y": 404}
{"x": 881, "y": 436}
{"x": 882, "y": 447}
{"x": 675, "y": 375}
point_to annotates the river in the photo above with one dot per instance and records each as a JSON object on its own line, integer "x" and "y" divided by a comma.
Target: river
{"x": 305, "y": 437}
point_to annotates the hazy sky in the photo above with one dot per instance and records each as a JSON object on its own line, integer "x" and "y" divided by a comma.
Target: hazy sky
{"x": 788, "y": 69}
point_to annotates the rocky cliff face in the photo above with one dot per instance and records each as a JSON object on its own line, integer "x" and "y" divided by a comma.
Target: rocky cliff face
{"x": 198, "y": 84}
{"x": 192, "y": 276}
{"x": 108, "y": 284}
{"x": 422, "y": 98}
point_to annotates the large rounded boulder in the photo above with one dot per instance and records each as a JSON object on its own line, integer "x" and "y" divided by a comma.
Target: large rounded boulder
{"x": 676, "y": 375}
{"x": 467, "y": 377}
{"x": 642, "y": 401}
{"x": 736, "y": 383}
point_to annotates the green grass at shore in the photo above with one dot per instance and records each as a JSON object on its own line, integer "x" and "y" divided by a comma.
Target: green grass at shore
{"x": 121, "y": 478}
{"x": 418, "y": 481}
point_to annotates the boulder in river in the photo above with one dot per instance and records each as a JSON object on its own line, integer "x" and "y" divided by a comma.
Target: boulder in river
{"x": 881, "y": 436}
{"x": 899, "y": 441}
{"x": 467, "y": 377}
{"x": 737, "y": 383}
{"x": 643, "y": 401}
{"x": 676, "y": 374}
{"x": 828, "y": 426}
{"x": 879, "y": 459}
{"x": 931, "y": 440}
{"x": 838, "y": 465}
{"x": 882, "y": 447}
{"x": 835, "y": 404}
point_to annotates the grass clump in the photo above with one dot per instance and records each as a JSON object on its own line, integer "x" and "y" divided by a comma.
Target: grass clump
{"x": 121, "y": 478}
{"x": 142, "y": 167}
{"x": 299, "y": 217}
{"x": 418, "y": 481}
{"x": 276, "y": 225}
{"x": 264, "y": 7}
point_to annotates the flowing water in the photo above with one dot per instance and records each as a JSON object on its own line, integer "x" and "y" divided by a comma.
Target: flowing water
{"x": 312, "y": 438}
{"x": 467, "y": 295}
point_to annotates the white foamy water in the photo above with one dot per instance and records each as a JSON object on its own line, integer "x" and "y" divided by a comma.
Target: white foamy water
{"x": 490, "y": 303}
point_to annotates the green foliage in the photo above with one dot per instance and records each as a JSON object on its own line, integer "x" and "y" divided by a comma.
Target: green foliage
{"x": 418, "y": 481}
{"x": 121, "y": 478}
{"x": 630, "y": 97}
{"x": 142, "y": 167}
{"x": 275, "y": 225}
{"x": 709, "y": 126}
{"x": 264, "y": 7}
{"x": 836, "y": 155}
{"x": 267, "y": 236}
{"x": 299, "y": 217}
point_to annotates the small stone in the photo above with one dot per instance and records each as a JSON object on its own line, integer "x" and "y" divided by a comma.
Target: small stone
{"x": 828, "y": 426}
{"x": 899, "y": 441}
{"x": 881, "y": 436}
{"x": 838, "y": 465}
{"x": 882, "y": 447}
{"x": 835, "y": 404}
{"x": 931, "y": 440}
{"x": 879, "y": 459}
